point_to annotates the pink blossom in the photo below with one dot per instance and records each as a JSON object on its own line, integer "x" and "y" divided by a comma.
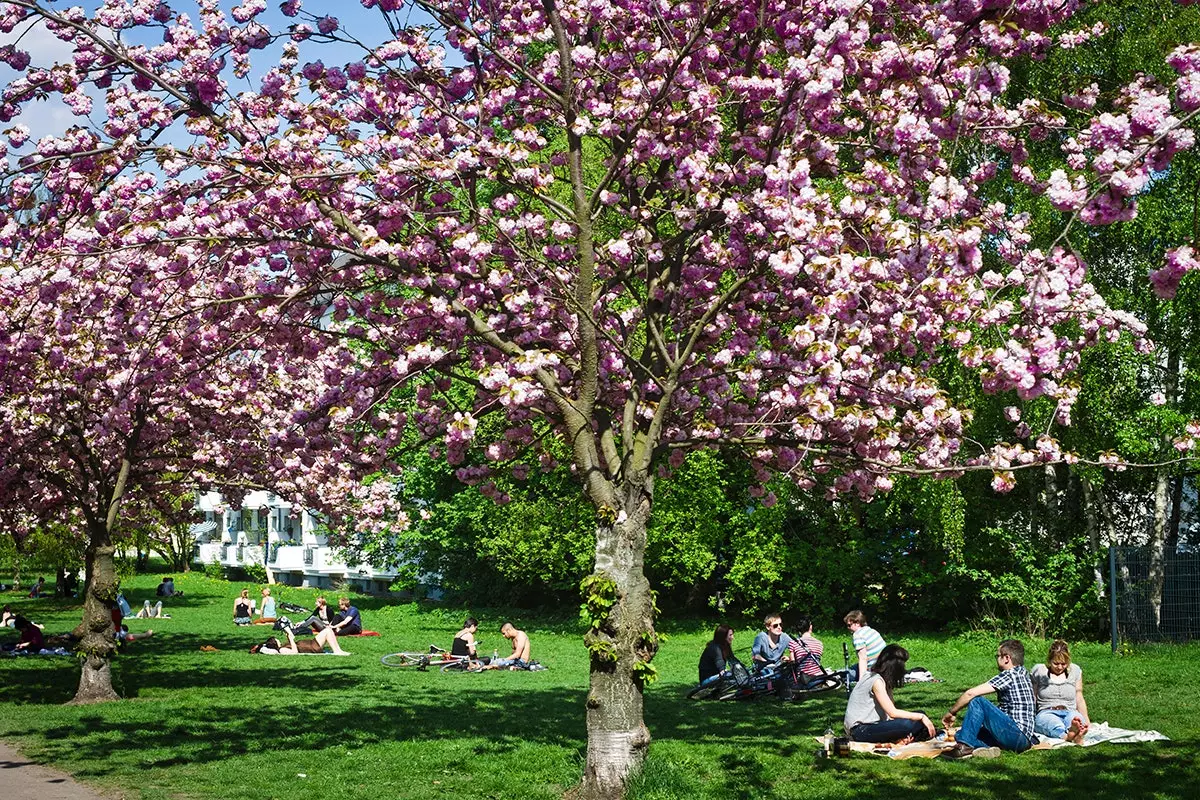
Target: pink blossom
{"x": 1177, "y": 262}
{"x": 1004, "y": 481}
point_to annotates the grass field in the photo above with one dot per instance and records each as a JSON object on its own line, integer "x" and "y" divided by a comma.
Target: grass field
{"x": 238, "y": 726}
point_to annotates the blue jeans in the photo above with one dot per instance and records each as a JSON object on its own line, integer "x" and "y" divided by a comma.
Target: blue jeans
{"x": 985, "y": 725}
{"x": 509, "y": 662}
{"x": 1054, "y": 722}
{"x": 891, "y": 730}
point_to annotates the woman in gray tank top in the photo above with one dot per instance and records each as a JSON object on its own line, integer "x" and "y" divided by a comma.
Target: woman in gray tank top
{"x": 872, "y": 716}
{"x": 1058, "y": 687}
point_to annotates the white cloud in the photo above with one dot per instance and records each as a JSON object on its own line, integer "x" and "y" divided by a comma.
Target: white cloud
{"x": 51, "y": 116}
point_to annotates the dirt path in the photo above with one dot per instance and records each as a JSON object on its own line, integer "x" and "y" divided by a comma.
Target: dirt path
{"x": 21, "y": 779}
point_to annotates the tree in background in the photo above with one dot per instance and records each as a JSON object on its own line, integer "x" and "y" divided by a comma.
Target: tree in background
{"x": 122, "y": 376}
{"x": 634, "y": 228}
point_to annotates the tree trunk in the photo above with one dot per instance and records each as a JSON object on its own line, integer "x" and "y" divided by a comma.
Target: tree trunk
{"x": 1172, "y": 541}
{"x": 1162, "y": 502}
{"x": 1051, "y": 504}
{"x": 1092, "y": 519}
{"x": 96, "y": 630}
{"x": 1158, "y": 536}
{"x": 621, "y": 648}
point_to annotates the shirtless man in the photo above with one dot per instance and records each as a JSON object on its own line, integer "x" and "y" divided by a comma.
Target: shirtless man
{"x": 519, "y": 659}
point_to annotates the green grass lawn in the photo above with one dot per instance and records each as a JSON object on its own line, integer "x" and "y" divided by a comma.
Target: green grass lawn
{"x": 233, "y": 725}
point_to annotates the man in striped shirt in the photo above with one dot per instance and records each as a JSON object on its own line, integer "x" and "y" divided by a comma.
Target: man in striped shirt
{"x": 988, "y": 729}
{"x": 867, "y": 643}
{"x": 806, "y": 655}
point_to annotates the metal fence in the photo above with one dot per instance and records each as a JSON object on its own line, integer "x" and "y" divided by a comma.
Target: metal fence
{"x": 1136, "y": 616}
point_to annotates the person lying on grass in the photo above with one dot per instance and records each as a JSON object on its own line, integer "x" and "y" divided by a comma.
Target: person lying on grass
{"x": 293, "y": 647}
{"x": 152, "y": 611}
{"x": 872, "y": 716}
{"x": 123, "y": 635}
{"x": 8, "y": 619}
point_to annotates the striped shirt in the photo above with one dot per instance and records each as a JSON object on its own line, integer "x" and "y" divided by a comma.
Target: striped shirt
{"x": 808, "y": 654}
{"x": 1016, "y": 697}
{"x": 869, "y": 638}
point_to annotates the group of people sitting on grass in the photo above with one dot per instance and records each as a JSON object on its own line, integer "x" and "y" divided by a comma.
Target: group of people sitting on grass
{"x": 346, "y": 621}
{"x": 1047, "y": 701}
{"x": 465, "y": 645}
{"x": 323, "y": 623}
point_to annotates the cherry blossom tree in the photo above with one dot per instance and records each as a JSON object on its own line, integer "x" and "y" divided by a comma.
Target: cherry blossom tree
{"x": 126, "y": 379}
{"x": 635, "y": 227}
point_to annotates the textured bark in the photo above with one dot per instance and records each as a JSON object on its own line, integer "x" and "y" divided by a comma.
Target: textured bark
{"x": 1051, "y": 502}
{"x": 1172, "y": 541}
{"x": 617, "y": 736}
{"x": 95, "y": 631}
{"x": 1162, "y": 500}
{"x": 95, "y": 683}
{"x": 1158, "y": 537}
{"x": 1092, "y": 520}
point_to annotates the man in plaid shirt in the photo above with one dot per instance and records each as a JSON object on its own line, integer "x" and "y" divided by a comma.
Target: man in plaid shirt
{"x": 986, "y": 729}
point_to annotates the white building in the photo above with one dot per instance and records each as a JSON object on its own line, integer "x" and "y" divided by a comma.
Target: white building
{"x": 265, "y": 531}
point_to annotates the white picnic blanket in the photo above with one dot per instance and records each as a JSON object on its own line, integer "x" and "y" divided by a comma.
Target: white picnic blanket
{"x": 1101, "y": 732}
{"x": 1098, "y": 733}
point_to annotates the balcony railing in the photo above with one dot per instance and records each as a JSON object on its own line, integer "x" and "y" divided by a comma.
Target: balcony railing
{"x": 308, "y": 556}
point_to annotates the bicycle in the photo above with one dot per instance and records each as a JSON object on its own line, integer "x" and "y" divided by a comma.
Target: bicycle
{"x": 808, "y": 684}
{"x": 422, "y": 662}
{"x": 737, "y": 682}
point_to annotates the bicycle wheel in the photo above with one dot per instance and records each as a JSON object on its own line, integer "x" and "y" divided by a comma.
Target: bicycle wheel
{"x": 734, "y": 692}
{"x": 458, "y": 665}
{"x": 400, "y": 660}
{"x": 828, "y": 683}
{"x": 707, "y": 691}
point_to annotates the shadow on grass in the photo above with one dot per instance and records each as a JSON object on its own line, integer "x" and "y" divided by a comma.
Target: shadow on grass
{"x": 762, "y": 749}
{"x": 1164, "y": 770}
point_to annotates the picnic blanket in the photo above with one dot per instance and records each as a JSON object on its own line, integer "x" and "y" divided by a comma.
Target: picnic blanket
{"x": 1101, "y": 732}
{"x": 46, "y": 651}
{"x": 1098, "y": 733}
{"x": 920, "y": 675}
{"x": 364, "y": 633}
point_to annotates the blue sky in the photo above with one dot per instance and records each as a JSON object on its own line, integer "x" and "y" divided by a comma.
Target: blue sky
{"x": 52, "y": 117}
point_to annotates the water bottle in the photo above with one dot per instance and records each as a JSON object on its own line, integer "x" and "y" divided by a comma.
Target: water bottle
{"x": 495, "y": 655}
{"x": 827, "y": 750}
